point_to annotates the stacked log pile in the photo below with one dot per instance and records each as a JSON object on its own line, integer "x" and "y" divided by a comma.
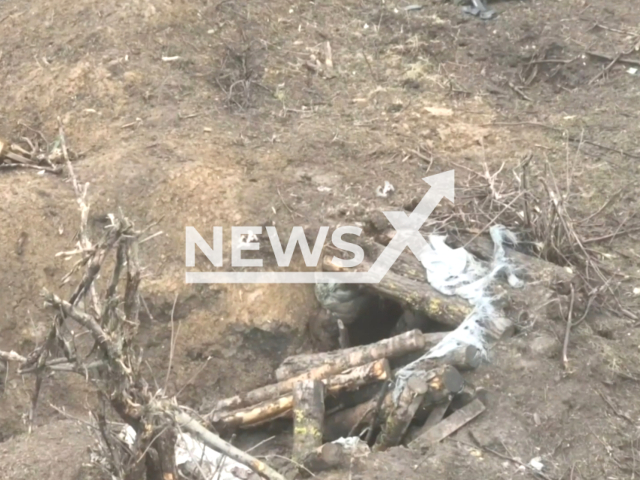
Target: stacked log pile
{"x": 354, "y": 391}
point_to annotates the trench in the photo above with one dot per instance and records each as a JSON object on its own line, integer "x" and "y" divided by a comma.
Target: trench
{"x": 377, "y": 319}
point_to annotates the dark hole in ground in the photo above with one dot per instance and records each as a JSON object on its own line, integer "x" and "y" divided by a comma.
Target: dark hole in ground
{"x": 379, "y": 318}
{"x": 375, "y": 321}
{"x": 606, "y": 333}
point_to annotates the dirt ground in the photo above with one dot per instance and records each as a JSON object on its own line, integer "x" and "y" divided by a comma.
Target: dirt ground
{"x": 206, "y": 113}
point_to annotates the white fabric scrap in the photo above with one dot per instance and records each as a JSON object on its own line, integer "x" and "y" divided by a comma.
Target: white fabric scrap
{"x": 353, "y": 444}
{"x": 190, "y": 450}
{"x": 454, "y": 271}
{"x": 386, "y": 190}
{"x": 536, "y": 463}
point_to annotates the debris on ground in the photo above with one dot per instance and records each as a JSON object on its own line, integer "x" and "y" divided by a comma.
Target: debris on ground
{"x": 415, "y": 90}
{"x": 479, "y": 8}
{"x": 386, "y": 190}
{"x": 35, "y": 154}
{"x": 196, "y": 460}
{"x": 400, "y": 389}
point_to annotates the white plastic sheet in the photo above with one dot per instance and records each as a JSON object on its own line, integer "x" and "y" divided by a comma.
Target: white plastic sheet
{"x": 209, "y": 461}
{"x": 457, "y": 272}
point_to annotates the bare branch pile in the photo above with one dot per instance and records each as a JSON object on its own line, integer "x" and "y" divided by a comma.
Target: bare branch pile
{"x": 536, "y": 202}
{"x": 33, "y": 151}
{"x": 157, "y": 428}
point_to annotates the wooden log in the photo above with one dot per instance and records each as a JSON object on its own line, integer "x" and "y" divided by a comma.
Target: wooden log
{"x": 351, "y": 357}
{"x": 269, "y": 392}
{"x": 417, "y": 294}
{"x": 272, "y": 408}
{"x": 255, "y": 415}
{"x": 448, "y": 426}
{"x": 464, "y": 358}
{"x": 351, "y": 398}
{"x": 308, "y": 418}
{"x": 500, "y": 328}
{"x": 442, "y": 382}
{"x": 435, "y": 416}
{"x": 401, "y": 414}
{"x": 397, "y": 346}
{"x": 546, "y": 280}
{"x": 376, "y": 412}
{"x": 532, "y": 268}
{"x": 406, "y": 265}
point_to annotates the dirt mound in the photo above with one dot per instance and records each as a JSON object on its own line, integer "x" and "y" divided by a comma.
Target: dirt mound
{"x": 226, "y": 113}
{"x": 54, "y": 451}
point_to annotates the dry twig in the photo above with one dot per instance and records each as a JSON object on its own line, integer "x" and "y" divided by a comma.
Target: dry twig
{"x": 565, "y": 345}
{"x": 112, "y": 365}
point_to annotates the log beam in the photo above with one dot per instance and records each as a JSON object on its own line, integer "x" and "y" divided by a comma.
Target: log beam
{"x": 308, "y": 418}
{"x": 442, "y": 383}
{"x": 397, "y": 346}
{"x": 278, "y": 406}
{"x": 417, "y": 294}
{"x": 401, "y": 414}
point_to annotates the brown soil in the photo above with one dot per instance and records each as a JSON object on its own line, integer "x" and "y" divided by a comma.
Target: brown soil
{"x": 56, "y": 451}
{"x": 238, "y": 131}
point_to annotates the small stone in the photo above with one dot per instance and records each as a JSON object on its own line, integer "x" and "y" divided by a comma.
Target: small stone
{"x": 484, "y": 396}
{"x": 545, "y": 346}
{"x": 376, "y": 222}
{"x": 536, "y": 419}
{"x": 485, "y": 437}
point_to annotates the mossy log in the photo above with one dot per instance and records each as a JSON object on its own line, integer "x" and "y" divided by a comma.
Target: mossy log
{"x": 442, "y": 382}
{"x": 531, "y": 268}
{"x": 397, "y": 346}
{"x": 416, "y": 294}
{"x": 547, "y": 283}
{"x": 308, "y": 418}
{"x": 402, "y": 412}
{"x": 281, "y": 405}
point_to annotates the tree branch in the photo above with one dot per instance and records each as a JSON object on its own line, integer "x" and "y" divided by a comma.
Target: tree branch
{"x": 211, "y": 440}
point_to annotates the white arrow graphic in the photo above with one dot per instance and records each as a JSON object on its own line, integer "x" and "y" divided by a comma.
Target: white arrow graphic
{"x": 408, "y": 226}
{"x": 408, "y": 235}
